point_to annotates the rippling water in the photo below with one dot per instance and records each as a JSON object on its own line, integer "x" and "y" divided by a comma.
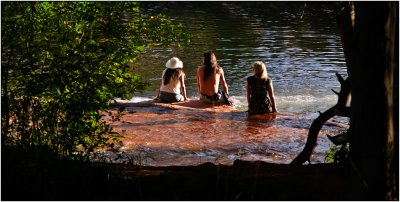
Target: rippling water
{"x": 302, "y": 54}
{"x": 299, "y": 43}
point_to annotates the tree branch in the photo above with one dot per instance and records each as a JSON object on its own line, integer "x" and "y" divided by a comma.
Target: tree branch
{"x": 339, "y": 109}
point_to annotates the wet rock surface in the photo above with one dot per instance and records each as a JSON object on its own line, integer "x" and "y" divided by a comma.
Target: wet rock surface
{"x": 192, "y": 133}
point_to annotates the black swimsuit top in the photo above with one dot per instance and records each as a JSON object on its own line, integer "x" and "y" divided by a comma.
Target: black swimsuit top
{"x": 258, "y": 86}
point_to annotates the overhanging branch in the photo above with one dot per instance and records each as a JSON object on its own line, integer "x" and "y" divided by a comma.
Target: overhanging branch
{"x": 339, "y": 109}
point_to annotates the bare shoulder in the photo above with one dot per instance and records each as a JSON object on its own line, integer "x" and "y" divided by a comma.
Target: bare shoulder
{"x": 220, "y": 71}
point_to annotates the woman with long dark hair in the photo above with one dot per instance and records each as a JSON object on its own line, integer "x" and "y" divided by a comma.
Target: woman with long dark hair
{"x": 173, "y": 82}
{"x": 209, "y": 74}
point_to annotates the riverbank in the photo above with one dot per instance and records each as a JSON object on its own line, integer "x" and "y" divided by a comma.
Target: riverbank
{"x": 40, "y": 176}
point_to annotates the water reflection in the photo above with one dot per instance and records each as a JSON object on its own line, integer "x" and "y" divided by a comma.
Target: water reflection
{"x": 253, "y": 122}
{"x": 190, "y": 134}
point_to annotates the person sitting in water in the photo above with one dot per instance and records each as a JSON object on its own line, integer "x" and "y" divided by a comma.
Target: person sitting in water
{"x": 209, "y": 75}
{"x": 173, "y": 82}
{"x": 260, "y": 91}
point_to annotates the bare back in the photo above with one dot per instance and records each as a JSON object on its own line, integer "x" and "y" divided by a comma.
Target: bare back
{"x": 210, "y": 85}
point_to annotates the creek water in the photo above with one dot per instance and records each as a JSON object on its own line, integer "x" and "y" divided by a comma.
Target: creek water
{"x": 302, "y": 54}
{"x": 299, "y": 43}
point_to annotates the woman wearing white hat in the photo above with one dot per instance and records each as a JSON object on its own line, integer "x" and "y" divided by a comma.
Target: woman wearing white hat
{"x": 173, "y": 82}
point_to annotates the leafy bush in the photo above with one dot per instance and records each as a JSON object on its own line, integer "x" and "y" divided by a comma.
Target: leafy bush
{"x": 62, "y": 62}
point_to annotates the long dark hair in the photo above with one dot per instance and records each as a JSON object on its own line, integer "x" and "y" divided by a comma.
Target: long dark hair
{"x": 172, "y": 73}
{"x": 210, "y": 64}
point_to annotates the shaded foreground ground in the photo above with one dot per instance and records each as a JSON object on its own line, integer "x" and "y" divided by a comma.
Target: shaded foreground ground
{"x": 39, "y": 178}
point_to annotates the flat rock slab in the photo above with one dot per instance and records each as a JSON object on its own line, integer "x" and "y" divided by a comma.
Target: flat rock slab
{"x": 192, "y": 133}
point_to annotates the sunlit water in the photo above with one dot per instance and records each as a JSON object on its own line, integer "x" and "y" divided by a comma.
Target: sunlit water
{"x": 302, "y": 52}
{"x": 302, "y": 55}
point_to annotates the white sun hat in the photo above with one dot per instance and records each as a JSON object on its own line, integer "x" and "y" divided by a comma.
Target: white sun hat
{"x": 174, "y": 63}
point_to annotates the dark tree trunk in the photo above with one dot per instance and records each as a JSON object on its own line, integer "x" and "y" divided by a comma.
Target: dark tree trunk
{"x": 392, "y": 146}
{"x": 369, "y": 44}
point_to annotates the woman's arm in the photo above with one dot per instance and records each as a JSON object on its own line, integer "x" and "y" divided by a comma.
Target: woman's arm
{"x": 183, "y": 87}
{"x": 198, "y": 81}
{"x": 158, "y": 95}
{"x": 223, "y": 82}
{"x": 272, "y": 96}
{"x": 248, "y": 91}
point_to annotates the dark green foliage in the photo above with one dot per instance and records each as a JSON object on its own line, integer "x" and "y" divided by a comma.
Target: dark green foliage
{"x": 339, "y": 152}
{"x": 62, "y": 62}
{"x": 336, "y": 154}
